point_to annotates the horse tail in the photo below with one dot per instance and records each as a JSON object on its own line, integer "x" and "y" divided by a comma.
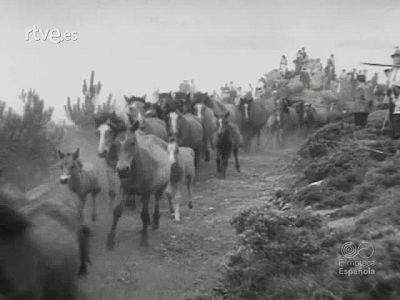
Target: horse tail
{"x": 84, "y": 235}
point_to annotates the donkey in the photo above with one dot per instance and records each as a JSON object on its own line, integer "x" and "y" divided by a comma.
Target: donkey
{"x": 182, "y": 173}
{"x": 227, "y": 140}
{"x": 81, "y": 179}
{"x": 143, "y": 168}
{"x": 43, "y": 248}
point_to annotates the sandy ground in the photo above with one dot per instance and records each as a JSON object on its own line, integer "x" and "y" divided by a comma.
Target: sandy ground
{"x": 182, "y": 260}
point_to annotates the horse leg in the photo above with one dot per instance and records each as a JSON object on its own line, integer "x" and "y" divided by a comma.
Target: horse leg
{"x": 144, "y": 215}
{"x": 156, "y": 214}
{"x": 130, "y": 202}
{"x": 235, "y": 154}
{"x": 117, "y": 213}
{"x": 189, "y": 183}
{"x": 218, "y": 161}
{"x": 197, "y": 159}
{"x": 225, "y": 160}
{"x": 171, "y": 194}
{"x": 94, "y": 214}
{"x": 258, "y": 139}
{"x": 206, "y": 148}
{"x": 112, "y": 184}
{"x": 82, "y": 201}
{"x": 111, "y": 194}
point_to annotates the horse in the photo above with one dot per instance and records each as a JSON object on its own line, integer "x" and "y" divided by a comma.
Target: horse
{"x": 182, "y": 174}
{"x": 234, "y": 114}
{"x": 254, "y": 116}
{"x": 281, "y": 120}
{"x": 209, "y": 122}
{"x": 227, "y": 140}
{"x": 183, "y": 102}
{"x": 217, "y": 107}
{"x": 43, "y": 249}
{"x": 108, "y": 126}
{"x": 82, "y": 179}
{"x": 143, "y": 168}
{"x": 137, "y": 113}
{"x": 188, "y": 131}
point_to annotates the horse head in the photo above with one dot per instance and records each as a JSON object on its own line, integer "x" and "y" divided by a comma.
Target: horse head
{"x": 173, "y": 150}
{"x": 127, "y": 152}
{"x": 136, "y": 107}
{"x": 108, "y": 126}
{"x": 175, "y": 123}
{"x": 244, "y": 106}
{"x": 199, "y": 109}
{"x": 222, "y": 123}
{"x": 70, "y": 165}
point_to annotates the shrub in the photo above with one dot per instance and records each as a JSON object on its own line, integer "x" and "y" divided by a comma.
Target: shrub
{"x": 28, "y": 141}
{"x": 275, "y": 249}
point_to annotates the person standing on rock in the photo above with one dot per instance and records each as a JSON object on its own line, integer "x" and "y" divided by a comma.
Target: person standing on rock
{"x": 362, "y": 102}
{"x": 331, "y": 65}
{"x": 342, "y": 80}
{"x": 298, "y": 62}
{"x": 283, "y": 66}
{"x": 393, "y": 92}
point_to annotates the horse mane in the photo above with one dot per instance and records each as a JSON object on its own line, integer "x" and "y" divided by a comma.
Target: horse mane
{"x": 12, "y": 222}
{"x": 117, "y": 122}
{"x": 132, "y": 99}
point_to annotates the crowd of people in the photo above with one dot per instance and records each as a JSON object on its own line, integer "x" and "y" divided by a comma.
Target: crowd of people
{"x": 355, "y": 81}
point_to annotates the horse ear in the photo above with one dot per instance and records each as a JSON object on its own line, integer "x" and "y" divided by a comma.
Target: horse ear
{"x": 60, "y": 154}
{"x": 75, "y": 155}
{"x": 144, "y": 97}
{"x": 227, "y": 114}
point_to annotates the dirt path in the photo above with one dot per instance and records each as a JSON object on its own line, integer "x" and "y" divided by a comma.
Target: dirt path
{"x": 182, "y": 260}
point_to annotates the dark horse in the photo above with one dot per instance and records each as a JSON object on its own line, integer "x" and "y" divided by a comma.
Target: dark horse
{"x": 254, "y": 116}
{"x": 43, "y": 247}
{"x": 143, "y": 168}
{"x": 227, "y": 140}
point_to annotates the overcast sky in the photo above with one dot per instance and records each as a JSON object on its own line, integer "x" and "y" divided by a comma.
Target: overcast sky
{"x": 138, "y": 46}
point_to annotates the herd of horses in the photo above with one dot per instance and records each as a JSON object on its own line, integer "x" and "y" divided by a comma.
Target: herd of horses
{"x": 148, "y": 149}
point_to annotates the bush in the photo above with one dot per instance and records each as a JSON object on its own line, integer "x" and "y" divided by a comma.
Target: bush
{"x": 275, "y": 249}
{"x": 28, "y": 141}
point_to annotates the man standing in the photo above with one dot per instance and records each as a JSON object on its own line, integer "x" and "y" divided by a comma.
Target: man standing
{"x": 342, "y": 80}
{"x": 184, "y": 87}
{"x": 192, "y": 86}
{"x": 361, "y": 102}
{"x": 374, "y": 79}
{"x": 283, "y": 66}
{"x": 393, "y": 92}
{"x": 331, "y": 65}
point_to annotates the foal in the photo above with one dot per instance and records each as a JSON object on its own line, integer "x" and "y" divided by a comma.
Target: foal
{"x": 81, "y": 179}
{"x": 181, "y": 160}
{"x": 227, "y": 140}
